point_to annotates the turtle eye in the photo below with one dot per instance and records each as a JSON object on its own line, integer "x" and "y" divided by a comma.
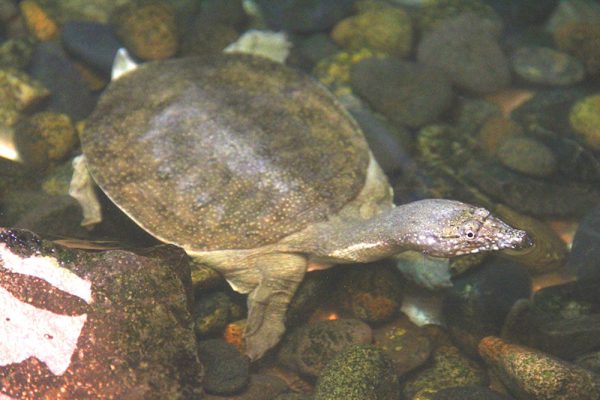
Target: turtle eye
{"x": 470, "y": 229}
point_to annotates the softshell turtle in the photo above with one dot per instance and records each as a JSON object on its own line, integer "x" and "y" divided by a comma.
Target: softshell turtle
{"x": 256, "y": 170}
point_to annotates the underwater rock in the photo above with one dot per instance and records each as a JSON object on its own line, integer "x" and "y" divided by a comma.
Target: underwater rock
{"x": 359, "y": 372}
{"x": 527, "y": 156}
{"x": 303, "y": 16}
{"x": 590, "y": 361}
{"x": 314, "y": 290}
{"x": 406, "y": 344}
{"x": 226, "y": 370}
{"x": 370, "y": 292}
{"x": 469, "y": 393}
{"x": 53, "y": 68}
{"x": 428, "y": 272}
{"x": 581, "y": 40}
{"x": 477, "y": 305}
{"x": 494, "y": 132}
{"x": 386, "y": 29}
{"x": 449, "y": 369}
{"x": 311, "y": 347}
{"x": 16, "y": 52}
{"x": 206, "y": 38}
{"x": 38, "y": 20}
{"x": 148, "y": 30}
{"x": 467, "y": 52}
{"x": 272, "y": 45}
{"x": 309, "y": 50}
{"x": 223, "y": 12}
{"x": 584, "y": 258}
{"x": 92, "y": 325}
{"x": 521, "y": 13}
{"x": 407, "y": 93}
{"x": 546, "y": 66}
{"x": 45, "y": 138}
{"x": 529, "y": 373}
{"x": 585, "y": 119}
{"x": 260, "y": 387}
{"x": 93, "y": 43}
{"x": 212, "y": 312}
{"x": 436, "y": 12}
{"x": 20, "y": 91}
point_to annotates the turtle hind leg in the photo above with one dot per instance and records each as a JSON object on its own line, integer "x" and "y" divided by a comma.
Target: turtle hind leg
{"x": 281, "y": 273}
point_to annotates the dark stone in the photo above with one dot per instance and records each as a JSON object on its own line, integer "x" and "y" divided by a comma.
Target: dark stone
{"x": 477, "y": 305}
{"x": 227, "y": 12}
{"x": 226, "y": 370}
{"x": 212, "y": 312}
{"x": 309, "y": 50}
{"x": 93, "y": 325}
{"x": 584, "y": 258}
{"x": 407, "y": 93}
{"x": 469, "y": 393}
{"x": 70, "y": 95}
{"x": 92, "y": 42}
{"x": 304, "y": 16}
{"x": 260, "y": 387}
{"x": 520, "y": 13}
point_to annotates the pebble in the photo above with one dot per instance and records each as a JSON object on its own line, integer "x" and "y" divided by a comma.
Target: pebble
{"x": 407, "y": 345}
{"x": 371, "y": 292}
{"x": 93, "y": 43}
{"x": 97, "y": 323}
{"x": 212, "y": 312}
{"x": 309, "y": 50}
{"x": 38, "y": 21}
{"x": 45, "y": 137}
{"x": 385, "y": 29}
{"x": 314, "y": 291}
{"x": 529, "y": 373}
{"x": 581, "y": 40}
{"x": 310, "y": 348}
{"x": 70, "y": 95}
{"x": 407, "y": 93}
{"x": 360, "y": 372}
{"x": 303, "y": 16}
{"x": 584, "y": 258}
{"x": 16, "y": 52}
{"x": 436, "y": 12}
{"x": 260, "y": 387}
{"x": 585, "y": 120}
{"x": 495, "y": 131}
{"x": 477, "y": 304}
{"x": 206, "y": 38}
{"x": 148, "y": 30}
{"x": 469, "y": 393}
{"x": 546, "y": 66}
{"x": 527, "y": 156}
{"x": 467, "y": 52}
{"x": 523, "y": 13}
{"x": 20, "y": 91}
{"x": 226, "y": 370}
{"x": 573, "y": 12}
{"x": 225, "y": 12}
{"x": 205, "y": 279}
{"x": 449, "y": 369}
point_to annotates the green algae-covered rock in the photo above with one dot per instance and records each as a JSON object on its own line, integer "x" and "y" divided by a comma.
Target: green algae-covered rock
{"x": 361, "y": 372}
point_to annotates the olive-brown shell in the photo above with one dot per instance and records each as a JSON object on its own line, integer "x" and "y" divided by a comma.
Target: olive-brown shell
{"x": 230, "y": 153}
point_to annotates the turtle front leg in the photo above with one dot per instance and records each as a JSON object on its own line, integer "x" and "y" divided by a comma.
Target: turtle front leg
{"x": 82, "y": 189}
{"x": 268, "y": 302}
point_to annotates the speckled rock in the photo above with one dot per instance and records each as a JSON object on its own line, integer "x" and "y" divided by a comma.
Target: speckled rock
{"x": 310, "y": 348}
{"x": 45, "y": 138}
{"x": 148, "y": 30}
{"x": 386, "y": 29}
{"x": 93, "y": 325}
{"x": 371, "y": 292}
{"x": 584, "y": 258}
{"x": 581, "y": 40}
{"x": 358, "y": 373}
{"x": 407, "y": 93}
{"x": 529, "y": 373}
{"x": 407, "y": 345}
{"x": 436, "y": 12}
{"x": 213, "y": 311}
{"x": 469, "y": 393}
{"x": 450, "y": 368}
{"x": 334, "y": 71}
{"x": 226, "y": 370}
{"x": 303, "y": 16}
{"x": 70, "y": 95}
{"x": 585, "y": 120}
{"x": 20, "y": 91}
{"x": 260, "y": 387}
{"x": 546, "y": 66}
{"x": 479, "y": 301}
{"x": 93, "y": 43}
{"x": 464, "y": 48}
{"x": 527, "y": 156}
{"x": 16, "y": 52}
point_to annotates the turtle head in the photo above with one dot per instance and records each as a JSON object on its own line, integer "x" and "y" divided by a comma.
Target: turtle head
{"x": 447, "y": 228}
